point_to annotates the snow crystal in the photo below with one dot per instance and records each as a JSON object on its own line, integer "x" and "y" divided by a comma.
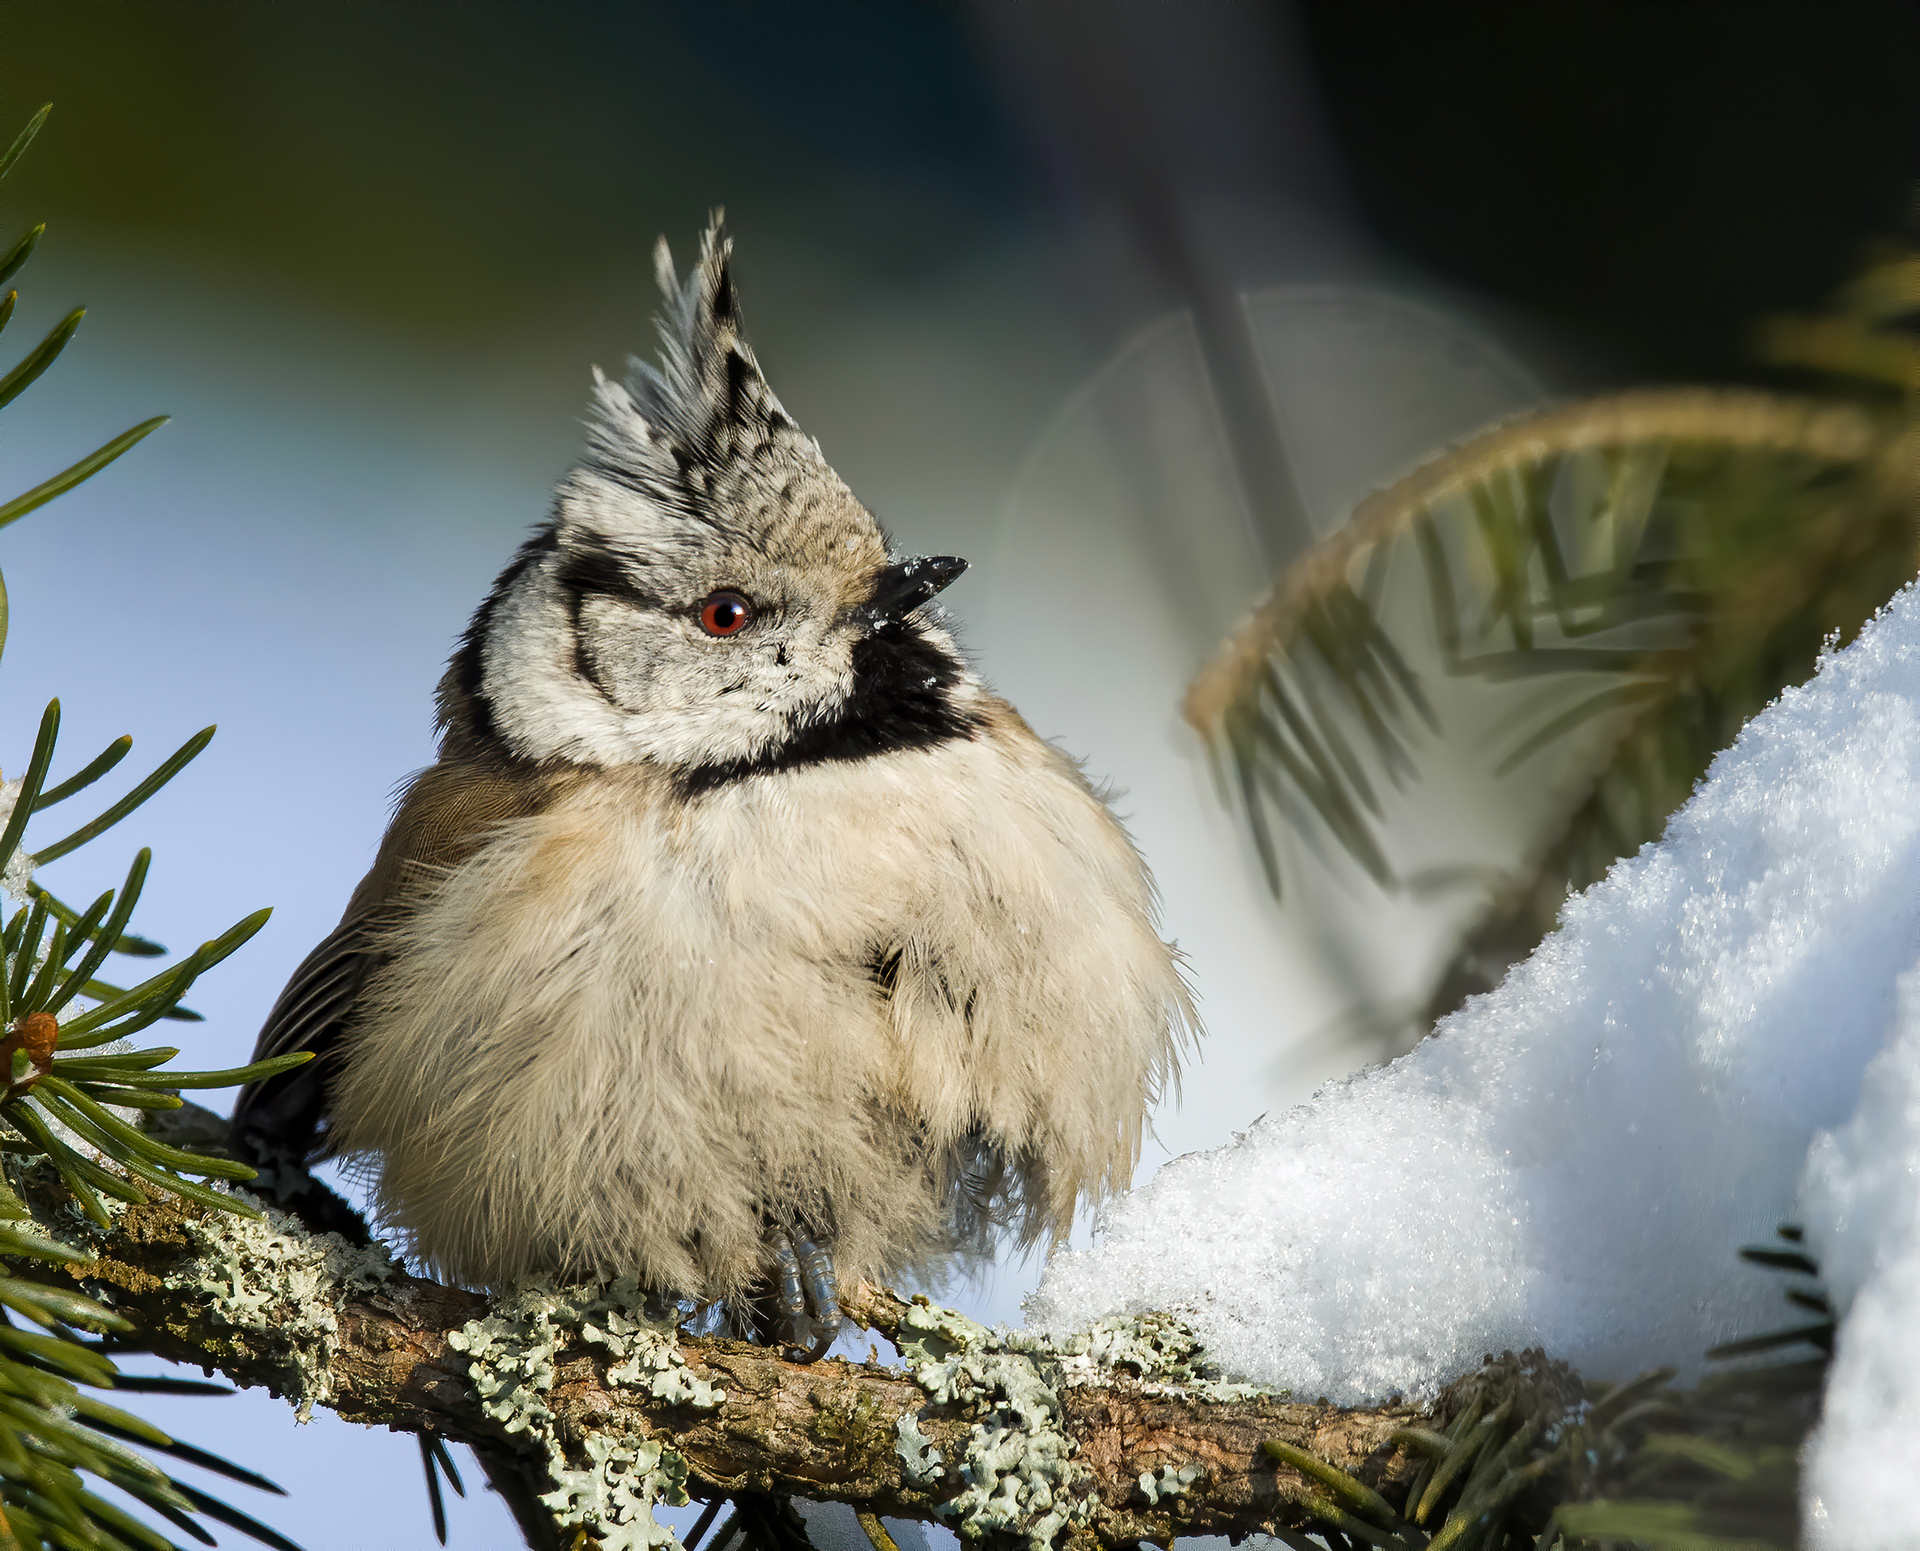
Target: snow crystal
{"x": 1862, "y": 1197}
{"x": 1576, "y": 1158}
{"x": 17, "y": 880}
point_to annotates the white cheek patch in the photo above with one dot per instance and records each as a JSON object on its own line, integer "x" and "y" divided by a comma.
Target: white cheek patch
{"x": 541, "y": 705}
{"x": 685, "y": 719}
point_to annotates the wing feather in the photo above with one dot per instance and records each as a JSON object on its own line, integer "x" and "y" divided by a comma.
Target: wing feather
{"x": 283, "y": 1115}
{"x": 445, "y": 815}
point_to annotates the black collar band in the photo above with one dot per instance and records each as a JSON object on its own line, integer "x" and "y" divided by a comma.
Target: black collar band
{"x": 902, "y": 684}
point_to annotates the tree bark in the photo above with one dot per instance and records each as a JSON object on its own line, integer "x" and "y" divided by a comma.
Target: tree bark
{"x": 828, "y": 1430}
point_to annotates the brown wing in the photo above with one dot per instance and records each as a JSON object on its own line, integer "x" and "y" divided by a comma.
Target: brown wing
{"x": 445, "y": 815}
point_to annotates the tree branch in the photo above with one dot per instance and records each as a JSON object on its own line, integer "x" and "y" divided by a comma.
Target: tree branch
{"x": 1045, "y": 1443}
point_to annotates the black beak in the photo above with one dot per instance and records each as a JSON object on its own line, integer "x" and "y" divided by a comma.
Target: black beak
{"x": 903, "y": 586}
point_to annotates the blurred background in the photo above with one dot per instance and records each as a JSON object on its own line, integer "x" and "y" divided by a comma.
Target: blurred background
{"x": 1125, "y": 302}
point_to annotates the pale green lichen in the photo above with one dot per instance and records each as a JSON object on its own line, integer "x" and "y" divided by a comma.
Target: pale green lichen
{"x": 929, "y": 1333}
{"x": 1157, "y": 1350}
{"x": 1018, "y": 1476}
{"x": 266, "y": 1284}
{"x": 515, "y": 1351}
{"x": 1019, "y": 1473}
{"x": 280, "y": 1288}
{"x": 1168, "y": 1482}
{"x": 917, "y": 1452}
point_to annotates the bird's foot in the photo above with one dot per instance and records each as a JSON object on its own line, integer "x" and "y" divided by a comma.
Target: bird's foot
{"x": 806, "y": 1293}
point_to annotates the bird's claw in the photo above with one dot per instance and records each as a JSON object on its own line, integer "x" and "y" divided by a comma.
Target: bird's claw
{"x": 816, "y": 1266}
{"x": 808, "y": 1297}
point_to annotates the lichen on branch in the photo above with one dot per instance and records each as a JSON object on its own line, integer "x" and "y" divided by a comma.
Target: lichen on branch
{"x": 1107, "y": 1438}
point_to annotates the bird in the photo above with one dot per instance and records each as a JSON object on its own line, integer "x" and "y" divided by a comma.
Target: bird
{"x": 740, "y": 939}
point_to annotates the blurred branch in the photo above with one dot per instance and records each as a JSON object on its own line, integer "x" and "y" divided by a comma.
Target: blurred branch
{"x": 1830, "y": 432}
{"x": 1659, "y": 564}
{"x": 1110, "y": 98}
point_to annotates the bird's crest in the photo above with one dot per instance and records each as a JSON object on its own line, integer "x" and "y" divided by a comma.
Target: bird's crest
{"x": 706, "y": 404}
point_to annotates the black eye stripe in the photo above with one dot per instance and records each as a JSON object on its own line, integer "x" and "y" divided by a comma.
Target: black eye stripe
{"x": 594, "y": 565}
{"x": 467, "y": 676}
{"x": 585, "y": 667}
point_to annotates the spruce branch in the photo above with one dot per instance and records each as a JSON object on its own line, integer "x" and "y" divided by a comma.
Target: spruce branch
{"x": 72, "y": 1104}
{"x": 1692, "y": 505}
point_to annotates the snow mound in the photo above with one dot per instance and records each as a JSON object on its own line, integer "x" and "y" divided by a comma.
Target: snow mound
{"x": 1577, "y": 1157}
{"x": 1862, "y": 1198}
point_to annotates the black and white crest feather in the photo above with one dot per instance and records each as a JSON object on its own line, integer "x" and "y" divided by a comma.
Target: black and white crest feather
{"x": 684, "y": 429}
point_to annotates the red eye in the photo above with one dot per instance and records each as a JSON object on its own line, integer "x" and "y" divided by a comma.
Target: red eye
{"x": 725, "y": 613}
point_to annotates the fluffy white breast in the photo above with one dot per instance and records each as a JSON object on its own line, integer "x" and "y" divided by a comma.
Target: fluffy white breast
{"x": 627, "y": 1030}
